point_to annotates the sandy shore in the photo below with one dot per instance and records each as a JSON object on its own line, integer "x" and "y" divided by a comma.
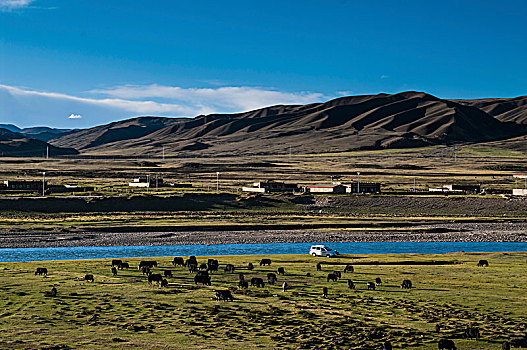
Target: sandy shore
{"x": 466, "y": 232}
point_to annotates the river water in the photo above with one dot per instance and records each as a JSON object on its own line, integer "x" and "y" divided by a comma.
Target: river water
{"x": 72, "y": 253}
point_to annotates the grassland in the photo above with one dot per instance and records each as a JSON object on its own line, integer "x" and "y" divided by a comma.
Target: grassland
{"x": 126, "y": 312}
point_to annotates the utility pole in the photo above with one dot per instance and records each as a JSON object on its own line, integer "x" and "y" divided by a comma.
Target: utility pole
{"x": 43, "y": 184}
{"x": 217, "y": 182}
{"x": 358, "y": 181}
{"x": 147, "y": 183}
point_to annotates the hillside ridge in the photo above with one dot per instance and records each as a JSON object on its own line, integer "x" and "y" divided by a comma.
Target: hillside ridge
{"x": 401, "y": 120}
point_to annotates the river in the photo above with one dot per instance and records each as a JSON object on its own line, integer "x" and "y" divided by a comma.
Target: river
{"x": 102, "y": 252}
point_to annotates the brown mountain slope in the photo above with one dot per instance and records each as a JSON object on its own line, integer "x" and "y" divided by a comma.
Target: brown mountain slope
{"x": 504, "y": 109}
{"x": 117, "y": 131}
{"x": 18, "y": 145}
{"x": 406, "y": 119}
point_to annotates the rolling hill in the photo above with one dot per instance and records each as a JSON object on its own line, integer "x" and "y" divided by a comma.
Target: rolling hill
{"x": 504, "y": 109}
{"x": 121, "y": 131}
{"x": 408, "y": 119}
{"x": 15, "y": 144}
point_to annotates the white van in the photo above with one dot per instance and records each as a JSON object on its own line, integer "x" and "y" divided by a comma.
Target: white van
{"x": 322, "y": 250}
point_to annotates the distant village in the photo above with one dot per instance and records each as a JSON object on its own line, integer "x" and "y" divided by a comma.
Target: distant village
{"x": 264, "y": 187}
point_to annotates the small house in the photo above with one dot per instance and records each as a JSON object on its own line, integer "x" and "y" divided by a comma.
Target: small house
{"x": 270, "y": 186}
{"x": 326, "y": 188}
{"x": 25, "y": 186}
{"x": 363, "y": 187}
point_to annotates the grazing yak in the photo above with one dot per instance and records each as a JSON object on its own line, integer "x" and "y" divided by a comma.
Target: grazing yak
{"x": 370, "y": 285}
{"x": 116, "y": 262}
{"x": 178, "y": 261}
{"x": 203, "y": 278}
{"x": 250, "y": 266}
{"x": 167, "y": 273}
{"x": 52, "y": 294}
{"x": 164, "y": 283}
{"x": 351, "y": 285}
{"x": 41, "y": 271}
{"x": 203, "y": 267}
{"x": 325, "y": 292}
{"x": 243, "y": 284}
{"x": 229, "y": 268}
{"x": 114, "y": 271}
{"x": 348, "y": 268}
{"x": 223, "y": 295}
{"x": 212, "y": 265}
{"x": 482, "y": 263}
{"x": 258, "y": 282}
{"x": 145, "y": 270}
{"x": 191, "y": 261}
{"x": 155, "y": 277}
{"x": 280, "y": 271}
{"x": 89, "y": 278}
{"x": 378, "y": 281}
{"x": 264, "y": 262}
{"x": 519, "y": 342}
{"x": 147, "y": 263}
{"x": 319, "y": 267}
{"x": 446, "y": 344}
{"x": 123, "y": 266}
{"x": 471, "y": 333}
{"x": 192, "y": 267}
{"x": 271, "y": 278}
{"x": 338, "y": 274}
{"x": 407, "y": 284}
{"x": 332, "y": 277}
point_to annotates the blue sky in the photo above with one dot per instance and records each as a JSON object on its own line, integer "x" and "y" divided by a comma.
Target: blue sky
{"x": 72, "y": 63}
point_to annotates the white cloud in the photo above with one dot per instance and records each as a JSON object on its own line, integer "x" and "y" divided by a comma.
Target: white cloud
{"x": 384, "y": 76}
{"x": 222, "y": 99}
{"x": 135, "y": 107}
{"x": 8, "y": 5}
{"x": 75, "y": 116}
{"x": 177, "y": 101}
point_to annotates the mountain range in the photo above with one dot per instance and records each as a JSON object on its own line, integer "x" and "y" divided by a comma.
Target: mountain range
{"x": 17, "y": 144}
{"x": 407, "y": 119}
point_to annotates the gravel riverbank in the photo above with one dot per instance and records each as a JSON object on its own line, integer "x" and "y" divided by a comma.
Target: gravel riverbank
{"x": 450, "y": 232}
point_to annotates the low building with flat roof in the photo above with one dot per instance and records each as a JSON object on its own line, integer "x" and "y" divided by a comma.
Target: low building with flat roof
{"x": 270, "y": 186}
{"x": 472, "y": 189}
{"x": 325, "y": 188}
{"x": 146, "y": 182}
{"x": 24, "y": 185}
{"x": 363, "y": 187}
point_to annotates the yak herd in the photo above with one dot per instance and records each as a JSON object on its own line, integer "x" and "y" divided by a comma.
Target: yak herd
{"x": 203, "y": 273}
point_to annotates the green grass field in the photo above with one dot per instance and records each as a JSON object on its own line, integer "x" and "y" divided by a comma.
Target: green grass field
{"x": 126, "y": 312}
